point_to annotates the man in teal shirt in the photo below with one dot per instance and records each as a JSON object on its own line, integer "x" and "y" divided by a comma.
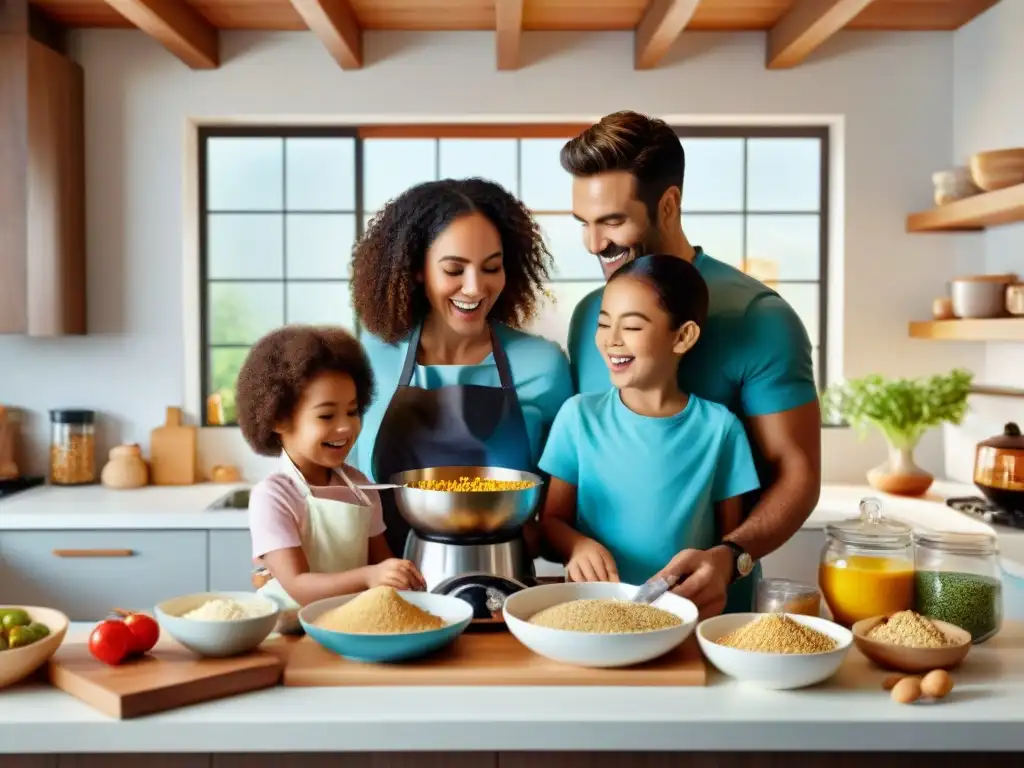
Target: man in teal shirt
{"x": 754, "y": 355}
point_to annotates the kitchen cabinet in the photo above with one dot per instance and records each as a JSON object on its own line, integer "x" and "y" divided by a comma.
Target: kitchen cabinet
{"x": 42, "y": 185}
{"x": 230, "y": 561}
{"x": 86, "y": 574}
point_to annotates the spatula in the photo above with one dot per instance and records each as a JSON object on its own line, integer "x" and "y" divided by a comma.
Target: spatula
{"x": 654, "y": 588}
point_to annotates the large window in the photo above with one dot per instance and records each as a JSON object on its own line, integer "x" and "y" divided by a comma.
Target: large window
{"x": 280, "y": 209}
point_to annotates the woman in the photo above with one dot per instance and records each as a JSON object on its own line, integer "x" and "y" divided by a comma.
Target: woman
{"x": 442, "y": 281}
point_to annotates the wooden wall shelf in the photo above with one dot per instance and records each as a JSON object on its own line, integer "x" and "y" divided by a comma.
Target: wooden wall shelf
{"x": 994, "y": 329}
{"x": 989, "y": 209}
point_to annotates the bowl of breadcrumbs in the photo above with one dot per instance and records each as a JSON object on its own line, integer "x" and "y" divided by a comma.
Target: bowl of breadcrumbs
{"x": 774, "y": 650}
{"x": 594, "y": 624}
{"x": 909, "y": 642}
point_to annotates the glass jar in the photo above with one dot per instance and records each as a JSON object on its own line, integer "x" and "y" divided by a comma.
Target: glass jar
{"x": 72, "y": 447}
{"x": 959, "y": 580}
{"x": 785, "y": 596}
{"x": 867, "y": 566}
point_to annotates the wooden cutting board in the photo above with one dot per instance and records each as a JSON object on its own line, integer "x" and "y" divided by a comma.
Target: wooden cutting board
{"x": 168, "y": 677}
{"x": 487, "y": 659}
{"x": 173, "y": 450}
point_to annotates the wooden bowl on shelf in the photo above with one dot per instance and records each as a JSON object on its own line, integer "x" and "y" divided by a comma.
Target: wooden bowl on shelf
{"x": 998, "y": 169}
{"x": 912, "y": 660}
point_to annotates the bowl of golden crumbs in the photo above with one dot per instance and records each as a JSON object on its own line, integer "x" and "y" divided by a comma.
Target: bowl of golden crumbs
{"x": 909, "y": 642}
{"x": 778, "y": 651}
{"x": 384, "y": 624}
{"x": 595, "y": 625}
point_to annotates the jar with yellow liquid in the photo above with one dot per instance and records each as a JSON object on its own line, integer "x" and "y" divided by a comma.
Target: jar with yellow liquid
{"x": 867, "y": 566}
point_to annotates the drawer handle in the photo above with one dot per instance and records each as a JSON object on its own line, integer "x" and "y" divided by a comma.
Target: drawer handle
{"x": 93, "y": 552}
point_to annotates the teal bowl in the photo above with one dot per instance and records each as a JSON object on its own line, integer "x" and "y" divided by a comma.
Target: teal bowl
{"x": 457, "y": 615}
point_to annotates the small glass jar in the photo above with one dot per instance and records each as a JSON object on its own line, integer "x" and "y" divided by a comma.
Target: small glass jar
{"x": 959, "y": 580}
{"x": 785, "y": 596}
{"x": 867, "y": 566}
{"x": 72, "y": 447}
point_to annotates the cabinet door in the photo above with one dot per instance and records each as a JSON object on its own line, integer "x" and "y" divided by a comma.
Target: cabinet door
{"x": 86, "y": 574}
{"x": 231, "y": 561}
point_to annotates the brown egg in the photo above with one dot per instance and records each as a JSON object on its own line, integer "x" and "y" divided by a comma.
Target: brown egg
{"x": 937, "y": 684}
{"x": 907, "y": 690}
{"x": 890, "y": 681}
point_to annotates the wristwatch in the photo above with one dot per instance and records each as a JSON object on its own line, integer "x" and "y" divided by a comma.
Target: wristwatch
{"x": 743, "y": 563}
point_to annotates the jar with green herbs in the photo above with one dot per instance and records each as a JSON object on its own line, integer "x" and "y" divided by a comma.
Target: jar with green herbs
{"x": 957, "y": 579}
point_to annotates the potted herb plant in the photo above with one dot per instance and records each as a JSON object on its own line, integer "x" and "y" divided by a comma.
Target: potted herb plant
{"x": 902, "y": 410}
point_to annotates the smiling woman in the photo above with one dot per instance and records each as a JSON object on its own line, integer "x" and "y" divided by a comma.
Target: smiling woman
{"x": 444, "y": 279}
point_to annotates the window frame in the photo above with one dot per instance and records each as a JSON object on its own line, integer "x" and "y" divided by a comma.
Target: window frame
{"x": 554, "y": 130}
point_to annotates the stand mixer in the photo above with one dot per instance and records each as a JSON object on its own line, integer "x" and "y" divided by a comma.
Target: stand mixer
{"x": 469, "y": 544}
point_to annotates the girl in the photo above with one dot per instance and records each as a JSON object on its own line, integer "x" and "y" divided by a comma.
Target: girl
{"x": 644, "y": 470}
{"x": 302, "y": 392}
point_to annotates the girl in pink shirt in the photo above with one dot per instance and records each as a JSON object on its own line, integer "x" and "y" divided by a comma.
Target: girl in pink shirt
{"x": 301, "y": 395}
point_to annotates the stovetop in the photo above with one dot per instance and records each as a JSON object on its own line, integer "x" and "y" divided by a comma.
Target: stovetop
{"x": 976, "y": 506}
{"x": 11, "y": 487}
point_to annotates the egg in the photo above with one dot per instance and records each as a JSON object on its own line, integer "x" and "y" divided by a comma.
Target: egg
{"x": 907, "y": 690}
{"x": 937, "y": 684}
{"x": 889, "y": 682}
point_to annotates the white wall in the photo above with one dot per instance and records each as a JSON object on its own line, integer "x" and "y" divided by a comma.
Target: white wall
{"x": 894, "y": 91}
{"x": 988, "y": 113}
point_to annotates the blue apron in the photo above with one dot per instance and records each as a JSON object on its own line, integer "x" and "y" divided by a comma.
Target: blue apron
{"x": 457, "y": 425}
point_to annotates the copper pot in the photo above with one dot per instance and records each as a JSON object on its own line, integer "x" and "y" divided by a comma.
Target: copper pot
{"x": 999, "y": 469}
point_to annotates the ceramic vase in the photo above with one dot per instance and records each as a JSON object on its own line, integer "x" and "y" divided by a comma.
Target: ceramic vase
{"x": 899, "y": 475}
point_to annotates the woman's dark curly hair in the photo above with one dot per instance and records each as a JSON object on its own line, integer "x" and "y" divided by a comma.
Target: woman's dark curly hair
{"x": 388, "y": 299}
{"x": 280, "y": 366}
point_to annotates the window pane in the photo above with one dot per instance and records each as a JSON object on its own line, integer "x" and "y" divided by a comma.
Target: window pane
{"x": 804, "y": 298}
{"x": 224, "y": 365}
{"x": 721, "y": 236}
{"x": 244, "y": 174}
{"x": 240, "y": 313}
{"x": 553, "y": 316}
{"x": 564, "y": 237}
{"x": 544, "y": 185}
{"x": 391, "y": 166}
{"x": 321, "y": 304}
{"x": 788, "y": 245}
{"x": 713, "y": 179}
{"x": 244, "y": 245}
{"x": 784, "y": 174}
{"x": 493, "y": 159}
{"x": 321, "y": 174}
{"x": 320, "y": 244}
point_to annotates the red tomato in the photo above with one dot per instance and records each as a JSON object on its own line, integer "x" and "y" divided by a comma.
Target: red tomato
{"x": 145, "y": 631}
{"x": 110, "y": 641}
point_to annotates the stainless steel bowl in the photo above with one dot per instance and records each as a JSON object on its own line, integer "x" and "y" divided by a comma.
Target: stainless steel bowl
{"x": 469, "y": 513}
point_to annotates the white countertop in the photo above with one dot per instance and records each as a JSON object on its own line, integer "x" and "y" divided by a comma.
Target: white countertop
{"x": 848, "y": 713}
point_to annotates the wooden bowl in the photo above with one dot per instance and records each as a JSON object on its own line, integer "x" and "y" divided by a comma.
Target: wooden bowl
{"x": 912, "y": 660}
{"x": 998, "y": 169}
{"x": 18, "y": 663}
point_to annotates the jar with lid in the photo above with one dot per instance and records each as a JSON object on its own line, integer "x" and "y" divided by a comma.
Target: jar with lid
{"x": 959, "y": 580}
{"x": 72, "y": 447}
{"x": 786, "y": 596}
{"x": 867, "y": 566}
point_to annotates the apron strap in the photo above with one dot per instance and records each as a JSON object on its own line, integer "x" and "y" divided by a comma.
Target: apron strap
{"x": 498, "y": 352}
{"x": 359, "y": 494}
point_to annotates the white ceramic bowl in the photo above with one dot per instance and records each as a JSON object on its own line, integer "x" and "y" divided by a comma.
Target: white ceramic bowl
{"x": 18, "y": 663}
{"x": 779, "y": 671}
{"x": 217, "y": 638}
{"x": 586, "y": 649}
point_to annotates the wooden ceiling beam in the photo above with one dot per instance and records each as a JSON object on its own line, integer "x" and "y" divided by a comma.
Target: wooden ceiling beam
{"x": 177, "y": 26}
{"x": 508, "y": 17}
{"x": 335, "y": 23}
{"x": 806, "y": 26}
{"x": 661, "y": 25}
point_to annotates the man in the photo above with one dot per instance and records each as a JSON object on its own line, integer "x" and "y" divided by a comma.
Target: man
{"x": 754, "y": 355}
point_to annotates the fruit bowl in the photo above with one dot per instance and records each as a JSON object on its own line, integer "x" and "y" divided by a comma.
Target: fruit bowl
{"x": 18, "y": 663}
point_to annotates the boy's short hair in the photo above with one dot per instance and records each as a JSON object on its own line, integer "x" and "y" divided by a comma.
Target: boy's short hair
{"x": 280, "y": 366}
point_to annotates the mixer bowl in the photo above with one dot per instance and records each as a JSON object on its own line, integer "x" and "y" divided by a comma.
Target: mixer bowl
{"x": 466, "y": 513}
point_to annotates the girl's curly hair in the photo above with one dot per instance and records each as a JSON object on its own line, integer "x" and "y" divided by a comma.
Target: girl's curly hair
{"x": 280, "y": 366}
{"x": 387, "y": 298}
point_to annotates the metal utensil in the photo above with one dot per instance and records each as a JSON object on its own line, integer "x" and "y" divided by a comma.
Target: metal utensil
{"x": 654, "y": 588}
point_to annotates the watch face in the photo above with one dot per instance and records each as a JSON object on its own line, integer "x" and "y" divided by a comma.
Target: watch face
{"x": 744, "y": 564}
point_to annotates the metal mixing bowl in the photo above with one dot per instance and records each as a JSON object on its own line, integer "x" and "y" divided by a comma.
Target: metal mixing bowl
{"x": 469, "y": 513}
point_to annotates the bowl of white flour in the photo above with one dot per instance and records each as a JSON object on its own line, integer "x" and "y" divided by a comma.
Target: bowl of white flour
{"x": 218, "y": 623}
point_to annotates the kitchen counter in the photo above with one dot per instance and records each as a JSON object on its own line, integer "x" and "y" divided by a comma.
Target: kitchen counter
{"x": 850, "y": 713}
